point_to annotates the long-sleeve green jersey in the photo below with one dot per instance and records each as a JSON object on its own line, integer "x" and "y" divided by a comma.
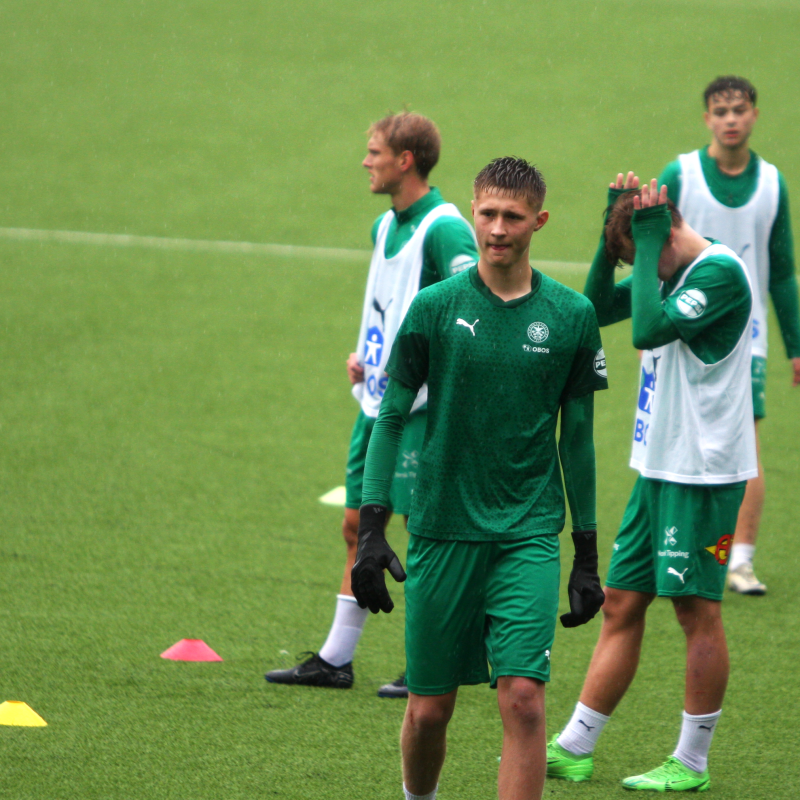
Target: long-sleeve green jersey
{"x": 498, "y": 373}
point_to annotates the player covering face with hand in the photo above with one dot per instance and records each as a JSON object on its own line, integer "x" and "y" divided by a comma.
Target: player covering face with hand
{"x": 694, "y": 448}
{"x": 504, "y": 350}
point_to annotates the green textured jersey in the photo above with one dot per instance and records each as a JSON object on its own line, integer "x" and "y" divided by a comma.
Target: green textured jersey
{"x": 497, "y": 374}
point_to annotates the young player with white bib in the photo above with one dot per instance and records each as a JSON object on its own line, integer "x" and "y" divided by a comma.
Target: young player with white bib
{"x": 728, "y": 192}
{"x": 419, "y": 242}
{"x": 694, "y": 448}
{"x": 505, "y": 351}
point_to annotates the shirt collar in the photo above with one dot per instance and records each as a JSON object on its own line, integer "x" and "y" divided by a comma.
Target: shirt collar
{"x": 428, "y": 201}
{"x": 477, "y": 282}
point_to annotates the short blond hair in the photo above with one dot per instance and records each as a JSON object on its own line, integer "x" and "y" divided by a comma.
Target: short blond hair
{"x": 412, "y": 132}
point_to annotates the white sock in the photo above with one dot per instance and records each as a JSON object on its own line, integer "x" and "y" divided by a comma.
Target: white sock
{"x": 409, "y": 796}
{"x": 583, "y": 730}
{"x": 696, "y": 735}
{"x": 741, "y": 554}
{"x": 348, "y": 622}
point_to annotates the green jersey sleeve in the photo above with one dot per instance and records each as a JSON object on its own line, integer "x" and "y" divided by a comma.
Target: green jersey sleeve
{"x": 588, "y": 371}
{"x": 671, "y": 176}
{"x": 409, "y": 360}
{"x": 711, "y": 309}
{"x": 449, "y": 248}
{"x": 782, "y": 279}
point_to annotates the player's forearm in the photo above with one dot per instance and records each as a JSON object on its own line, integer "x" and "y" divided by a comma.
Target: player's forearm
{"x": 651, "y": 325}
{"x": 576, "y": 451}
{"x": 611, "y": 303}
{"x": 787, "y": 310}
{"x": 385, "y": 442}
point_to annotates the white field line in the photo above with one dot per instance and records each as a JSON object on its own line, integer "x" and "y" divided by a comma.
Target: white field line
{"x": 213, "y": 246}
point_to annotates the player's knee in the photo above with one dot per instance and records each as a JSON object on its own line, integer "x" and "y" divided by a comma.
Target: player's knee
{"x": 695, "y": 614}
{"x": 429, "y": 713}
{"x": 523, "y": 700}
{"x": 623, "y": 609}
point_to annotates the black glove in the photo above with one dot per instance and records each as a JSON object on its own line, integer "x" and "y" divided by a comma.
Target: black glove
{"x": 585, "y": 594}
{"x": 373, "y": 557}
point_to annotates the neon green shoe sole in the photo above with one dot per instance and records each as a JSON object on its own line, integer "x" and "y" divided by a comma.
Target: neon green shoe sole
{"x": 567, "y": 766}
{"x": 671, "y": 776}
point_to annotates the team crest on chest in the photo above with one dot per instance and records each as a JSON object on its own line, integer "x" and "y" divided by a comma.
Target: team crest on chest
{"x": 538, "y": 332}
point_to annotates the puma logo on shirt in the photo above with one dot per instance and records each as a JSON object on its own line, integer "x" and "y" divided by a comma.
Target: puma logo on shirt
{"x": 466, "y": 324}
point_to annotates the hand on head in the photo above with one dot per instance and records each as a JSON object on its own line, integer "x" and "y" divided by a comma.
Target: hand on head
{"x": 629, "y": 181}
{"x": 651, "y": 196}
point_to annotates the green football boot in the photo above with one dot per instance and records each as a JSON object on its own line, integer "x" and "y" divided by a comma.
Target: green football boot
{"x": 563, "y": 764}
{"x": 671, "y": 776}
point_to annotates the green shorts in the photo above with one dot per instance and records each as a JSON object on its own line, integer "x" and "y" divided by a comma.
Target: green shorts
{"x": 758, "y": 374}
{"x": 405, "y": 470}
{"x": 675, "y": 538}
{"x": 469, "y": 603}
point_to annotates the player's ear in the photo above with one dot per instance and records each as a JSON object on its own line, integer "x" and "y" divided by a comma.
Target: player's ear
{"x": 707, "y": 119}
{"x": 472, "y": 206}
{"x": 541, "y": 219}
{"x": 406, "y": 160}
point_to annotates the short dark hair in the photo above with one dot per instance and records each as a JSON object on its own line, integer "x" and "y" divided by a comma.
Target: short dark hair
{"x": 512, "y": 176}
{"x": 412, "y": 132}
{"x": 618, "y": 233}
{"x": 730, "y": 84}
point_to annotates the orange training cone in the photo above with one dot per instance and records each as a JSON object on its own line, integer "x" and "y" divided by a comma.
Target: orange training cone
{"x": 190, "y": 650}
{"x": 15, "y": 712}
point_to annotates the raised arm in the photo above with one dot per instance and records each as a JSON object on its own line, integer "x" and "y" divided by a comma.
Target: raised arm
{"x": 651, "y": 226}
{"x": 611, "y": 301}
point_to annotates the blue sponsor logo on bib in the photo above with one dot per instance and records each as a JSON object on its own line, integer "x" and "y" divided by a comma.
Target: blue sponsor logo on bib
{"x": 373, "y": 347}
{"x": 647, "y": 391}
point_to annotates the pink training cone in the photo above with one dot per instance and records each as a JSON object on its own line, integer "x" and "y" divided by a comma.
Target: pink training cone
{"x": 190, "y": 650}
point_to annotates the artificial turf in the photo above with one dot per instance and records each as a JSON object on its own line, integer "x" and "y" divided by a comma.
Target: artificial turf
{"x": 169, "y": 419}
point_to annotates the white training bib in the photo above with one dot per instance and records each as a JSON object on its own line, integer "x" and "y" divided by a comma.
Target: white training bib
{"x": 746, "y": 230}
{"x": 391, "y": 286}
{"x": 694, "y": 421}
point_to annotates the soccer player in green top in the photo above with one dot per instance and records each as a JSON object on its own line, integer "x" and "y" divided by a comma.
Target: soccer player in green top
{"x": 728, "y": 192}
{"x": 419, "y": 241}
{"x": 694, "y": 448}
{"x": 504, "y": 350}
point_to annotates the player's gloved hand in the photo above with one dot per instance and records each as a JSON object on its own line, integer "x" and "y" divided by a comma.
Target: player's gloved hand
{"x": 585, "y": 593}
{"x": 374, "y": 556}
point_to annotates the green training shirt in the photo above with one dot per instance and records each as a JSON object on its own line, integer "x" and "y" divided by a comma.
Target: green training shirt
{"x": 734, "y": 191}
{"x": 449, "y": 246}
{"x": 497, "y": 375}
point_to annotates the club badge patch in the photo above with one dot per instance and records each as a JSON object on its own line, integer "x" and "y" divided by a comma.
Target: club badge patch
{"x": 538, "y": 332}
{"x": 721, "y": 550}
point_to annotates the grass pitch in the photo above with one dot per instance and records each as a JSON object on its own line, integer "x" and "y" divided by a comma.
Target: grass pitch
{"x": 168, "y": 420}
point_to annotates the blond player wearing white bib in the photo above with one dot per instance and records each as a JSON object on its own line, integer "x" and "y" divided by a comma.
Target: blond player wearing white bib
{"x": 694, "y": 448}
{"x": 420, "y": 241}
{"x": 728, "y": 192}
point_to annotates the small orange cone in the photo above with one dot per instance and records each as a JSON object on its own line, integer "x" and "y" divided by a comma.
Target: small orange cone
{"x": 190, "y": 650}
{"x": 15, "y": 712}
